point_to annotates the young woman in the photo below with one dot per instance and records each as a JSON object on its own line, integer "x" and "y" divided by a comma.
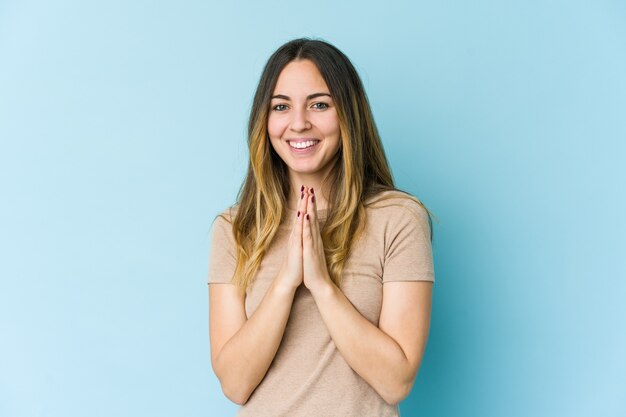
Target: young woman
{"x": 321, "y": 274}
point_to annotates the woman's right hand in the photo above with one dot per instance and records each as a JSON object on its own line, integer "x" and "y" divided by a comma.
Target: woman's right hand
{"x": 290, "y": 274}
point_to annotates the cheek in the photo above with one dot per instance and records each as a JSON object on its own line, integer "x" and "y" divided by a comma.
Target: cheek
{"x": 328, "y": 123}
{"x": 335, "y": 133}
{"x": 274, "y": 127}
{"x": 330, "y": 128}
{"x": 275, "y": 143}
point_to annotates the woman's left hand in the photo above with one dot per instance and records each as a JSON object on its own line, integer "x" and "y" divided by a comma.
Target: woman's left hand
{"x": 315, "y": 272}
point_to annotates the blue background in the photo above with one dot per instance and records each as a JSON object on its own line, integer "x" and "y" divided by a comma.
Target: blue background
{"x": 122, "y": 134}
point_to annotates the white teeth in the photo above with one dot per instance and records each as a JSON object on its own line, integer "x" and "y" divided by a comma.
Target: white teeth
{"x": 303, "y": 145}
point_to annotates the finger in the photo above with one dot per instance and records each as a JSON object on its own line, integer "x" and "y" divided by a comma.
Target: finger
{"x": 311, "y": 217}
{"x": 297, "y": 218}
{"x": 312, "y": 210}
{"x": 306, "y": 230}
{"x": 305, "y": 199}
{"x": 307, "y": 238}
{"x": 302, "y": 212}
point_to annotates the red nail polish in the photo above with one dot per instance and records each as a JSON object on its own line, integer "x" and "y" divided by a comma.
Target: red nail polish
{"x": 307, "y": 217}
{"x": 312, "y": 192}
{"x": 298, "y": 214}
{"x": 313, "y": 199}
{"x": 302, "y": 188}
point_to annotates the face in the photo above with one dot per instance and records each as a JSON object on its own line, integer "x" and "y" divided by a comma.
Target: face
{"x": 303, "y": 125}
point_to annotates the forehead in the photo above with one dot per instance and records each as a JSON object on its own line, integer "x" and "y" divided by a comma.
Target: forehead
{"x": 300, "y": 76}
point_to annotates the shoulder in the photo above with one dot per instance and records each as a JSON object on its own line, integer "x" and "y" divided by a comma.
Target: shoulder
{"x": 398, "y": 212}
{"x": 394, "y": 203}
{"x": 227, "y": 215}
{"x": 223, "y": 221}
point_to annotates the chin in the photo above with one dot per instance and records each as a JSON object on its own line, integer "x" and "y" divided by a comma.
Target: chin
{"x": 308, "y": 170}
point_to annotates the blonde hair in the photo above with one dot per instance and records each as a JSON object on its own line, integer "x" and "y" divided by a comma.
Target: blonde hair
{"x": 360, "y": 169}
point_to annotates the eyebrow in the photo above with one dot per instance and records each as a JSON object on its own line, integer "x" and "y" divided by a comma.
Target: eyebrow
{"x": 309, "y": 97}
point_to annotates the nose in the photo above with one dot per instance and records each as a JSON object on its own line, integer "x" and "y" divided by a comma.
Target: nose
{"x": 299, "y": 120}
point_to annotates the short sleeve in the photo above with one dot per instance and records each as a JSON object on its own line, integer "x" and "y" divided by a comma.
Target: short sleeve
{"x": 408, "y": 255}
{"x": 222, "y": 257}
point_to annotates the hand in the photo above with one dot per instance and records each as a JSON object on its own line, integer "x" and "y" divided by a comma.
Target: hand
{"x": 290, "y": 274}
{"x": 314, "y": 262}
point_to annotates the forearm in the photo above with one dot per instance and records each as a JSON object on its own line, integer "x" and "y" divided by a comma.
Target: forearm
{"x": 370, "y": 352}
{"x": 244, "y": 360}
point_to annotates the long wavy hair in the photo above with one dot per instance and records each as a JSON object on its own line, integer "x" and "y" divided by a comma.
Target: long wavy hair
{"x": 359, "y": 171}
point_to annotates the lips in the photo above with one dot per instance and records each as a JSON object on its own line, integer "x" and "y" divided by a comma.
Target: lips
{"x": 303, "y": 144}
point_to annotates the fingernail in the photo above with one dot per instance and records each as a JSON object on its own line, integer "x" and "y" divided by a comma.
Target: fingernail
{"x": 301, "y": 196}
{"x": 312, "y": 192}
{"x": 298, "y": 214}
{"x": 302, "y": 188}
{"x": 313, "y": 199}
{"x": 307, "y": 217}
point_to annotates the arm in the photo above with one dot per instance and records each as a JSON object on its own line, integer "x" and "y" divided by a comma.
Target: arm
{"x": 387, "y": 356}
{"x": 391, "y": 357}
{"x": 242, "y": 349}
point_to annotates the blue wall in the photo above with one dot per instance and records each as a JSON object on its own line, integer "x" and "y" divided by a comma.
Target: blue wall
{"x": 122, "y": 133}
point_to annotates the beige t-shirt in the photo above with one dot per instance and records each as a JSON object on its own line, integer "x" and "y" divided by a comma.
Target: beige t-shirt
{"x": 309, "y": 376}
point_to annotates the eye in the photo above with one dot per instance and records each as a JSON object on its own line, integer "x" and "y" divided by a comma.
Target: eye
{"x": 321, "y": 105}
{"x": 279, "y": 107}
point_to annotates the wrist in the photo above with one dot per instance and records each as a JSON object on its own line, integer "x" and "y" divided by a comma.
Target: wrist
{"x": 279, "y": 286}
{"x": 324, "y": 288}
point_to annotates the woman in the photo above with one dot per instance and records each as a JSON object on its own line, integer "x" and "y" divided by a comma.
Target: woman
{"x": 321, "y": 275}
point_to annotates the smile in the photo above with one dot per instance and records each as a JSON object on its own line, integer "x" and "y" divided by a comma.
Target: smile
{"x": 303, "y": 145}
